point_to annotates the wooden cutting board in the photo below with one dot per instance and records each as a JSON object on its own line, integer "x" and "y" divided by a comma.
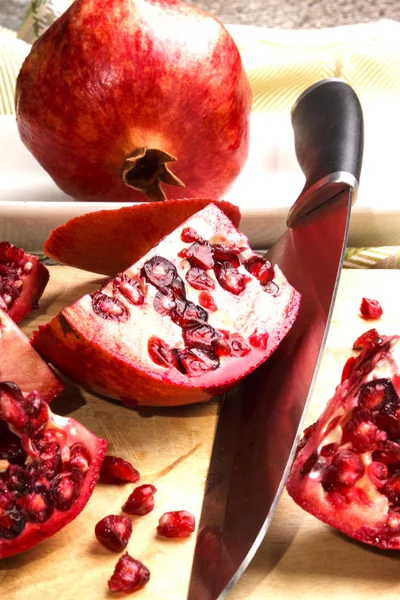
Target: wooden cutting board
{"x": 300, "y": 557}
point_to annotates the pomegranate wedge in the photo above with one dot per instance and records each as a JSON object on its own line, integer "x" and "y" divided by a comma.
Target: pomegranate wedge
{"x": 347, "y": 468}
{"x": 22, "y": 281}
{"x": 126, "y": 233}
{"x": 184, "y": 323}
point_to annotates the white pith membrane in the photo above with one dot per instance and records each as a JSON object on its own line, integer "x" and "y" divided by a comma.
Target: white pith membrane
{"x": 36, "y": 503}
{"x": 362, "y": 510}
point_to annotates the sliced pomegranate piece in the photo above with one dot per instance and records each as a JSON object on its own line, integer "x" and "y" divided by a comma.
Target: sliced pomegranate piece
{"x": 370, "y": 309}
{"x": 129, "y": 575}
{"x": 117, "y": 470}
{"x": 16, "y": 350}
{"x": 37, "y": 498}
{"x": 365, "y": 339}
{"x": 347, "y": 467}
{"x": 76, "y": 242}
{"x": 114, "y": 532}
{"x": 167, "y": 351}
{"x": 22, "y": 281}
{"x": 140, "y": 501}
{"x": 176, "y": 524}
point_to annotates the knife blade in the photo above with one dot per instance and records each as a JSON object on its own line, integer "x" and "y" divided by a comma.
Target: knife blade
{"x": 260, "y": 421}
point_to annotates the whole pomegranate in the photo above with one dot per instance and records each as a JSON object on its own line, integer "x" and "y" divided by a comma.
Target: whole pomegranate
{"x": 116, "y": 92}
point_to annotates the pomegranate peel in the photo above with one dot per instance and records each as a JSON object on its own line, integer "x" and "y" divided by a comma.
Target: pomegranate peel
{"x": 15, "y": 350}
{"x": 347, "y": 468}
{"x": 22, "y": 281}
{"x": 126, "y": 234}
{"x": 44, "y": 486}
{"x": 116, "y": 336}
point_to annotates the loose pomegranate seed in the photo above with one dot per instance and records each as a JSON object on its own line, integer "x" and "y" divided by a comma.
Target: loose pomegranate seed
{"x": 65, "y": 489}
{"x": 129, "y": 288}
{"x": 129, "y": 575}
{"x": 200, "y": 254}
{"x": 117, "y": 470}
{"x": 161, "y": 353}
{"x": 159, "y": 271}
{"x": 260, "y": 268}
{"x": 197, "y": 361}
{"x": 370, "y": 337}
{"x": 176, "y": 524}
{"x": 202, "y": 336}
{"x": 230, "y": 278}
{"x": 370, "y": 309}
{"x": 140, "y": 501}
{"x": 189, "y": 234}
{"x": 108, "y": 308}
{"x": 114, "y": 532}
{"x": 199, "y": 279}
{"x": 207, "y": 301}
{"x": 259, "y": 339}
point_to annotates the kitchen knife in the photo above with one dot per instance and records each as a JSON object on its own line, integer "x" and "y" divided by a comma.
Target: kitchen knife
{"x": 260, "y": 421}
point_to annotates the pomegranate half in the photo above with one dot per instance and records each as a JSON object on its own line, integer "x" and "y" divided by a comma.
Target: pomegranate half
{"x": 184, "y": 323}
{"x": 128, "y": 100}
{"x": 347, "y": 468}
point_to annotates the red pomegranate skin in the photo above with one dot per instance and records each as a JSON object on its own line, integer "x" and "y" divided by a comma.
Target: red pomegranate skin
{"x": 113, "y": 76}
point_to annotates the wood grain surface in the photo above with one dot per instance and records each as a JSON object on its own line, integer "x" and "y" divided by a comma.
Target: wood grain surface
{"x": 300, "y": 557}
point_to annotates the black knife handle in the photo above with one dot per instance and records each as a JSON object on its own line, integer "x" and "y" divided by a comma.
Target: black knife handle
{"x": 328, "y": 129}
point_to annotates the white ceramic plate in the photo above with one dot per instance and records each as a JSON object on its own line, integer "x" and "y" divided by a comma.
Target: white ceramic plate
{"x": 31, "y": 205}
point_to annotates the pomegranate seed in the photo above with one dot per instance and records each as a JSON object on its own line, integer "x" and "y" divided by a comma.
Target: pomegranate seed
{"x": 117, "y": 470}
{"x": 177, "y": 287}
{"x": 259, "y": 339}
{"x": 377, "y": 472}
{"x": 260, "y": 268}
{"x": 393, "y": 520}
{"x": 328, "y": 450}
{"x": 197, "y": 361}
{"x": 308, "y": 464}
{"x": 176, "y": 524}
{"x": 79, "y": 458}
{"x": 108, "y": 308}
{"x": 207, "y": 301}
{"x": 361, "y": 432}
{"x": 370, "y": 309}
{"x": 222, "y": 252}
{"x": 114, "y": 532}
{"x": 159, "y": 271}
{"x": 199, "y": 279}
{"x": 387, "y": 452}
{"x": 370, "y": 337}
{"x": 200, "y": 254}
{"x": 188, "y": 314}
{"x": 11, "y": 525}
{"x": 129, "y": 575}
{"x": 235, "y": 345}
{"x": 348, "y": 368}
{"x": 231, "y": 279}
{"x": 392, "y": 489}
{"x": 346, "y": 468}
{"x": 140, "y": 501}
{"x": 189, "y": 234}
{"x": 203, "y": 336}
{"x": 164, "y": 302}
{"x": 65, "y": 489}
{"x": 161, "y": 353}
{"x": 372, "y": 393}
{"x": 129, "y": 288}
{"x": 36, "y": 506}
